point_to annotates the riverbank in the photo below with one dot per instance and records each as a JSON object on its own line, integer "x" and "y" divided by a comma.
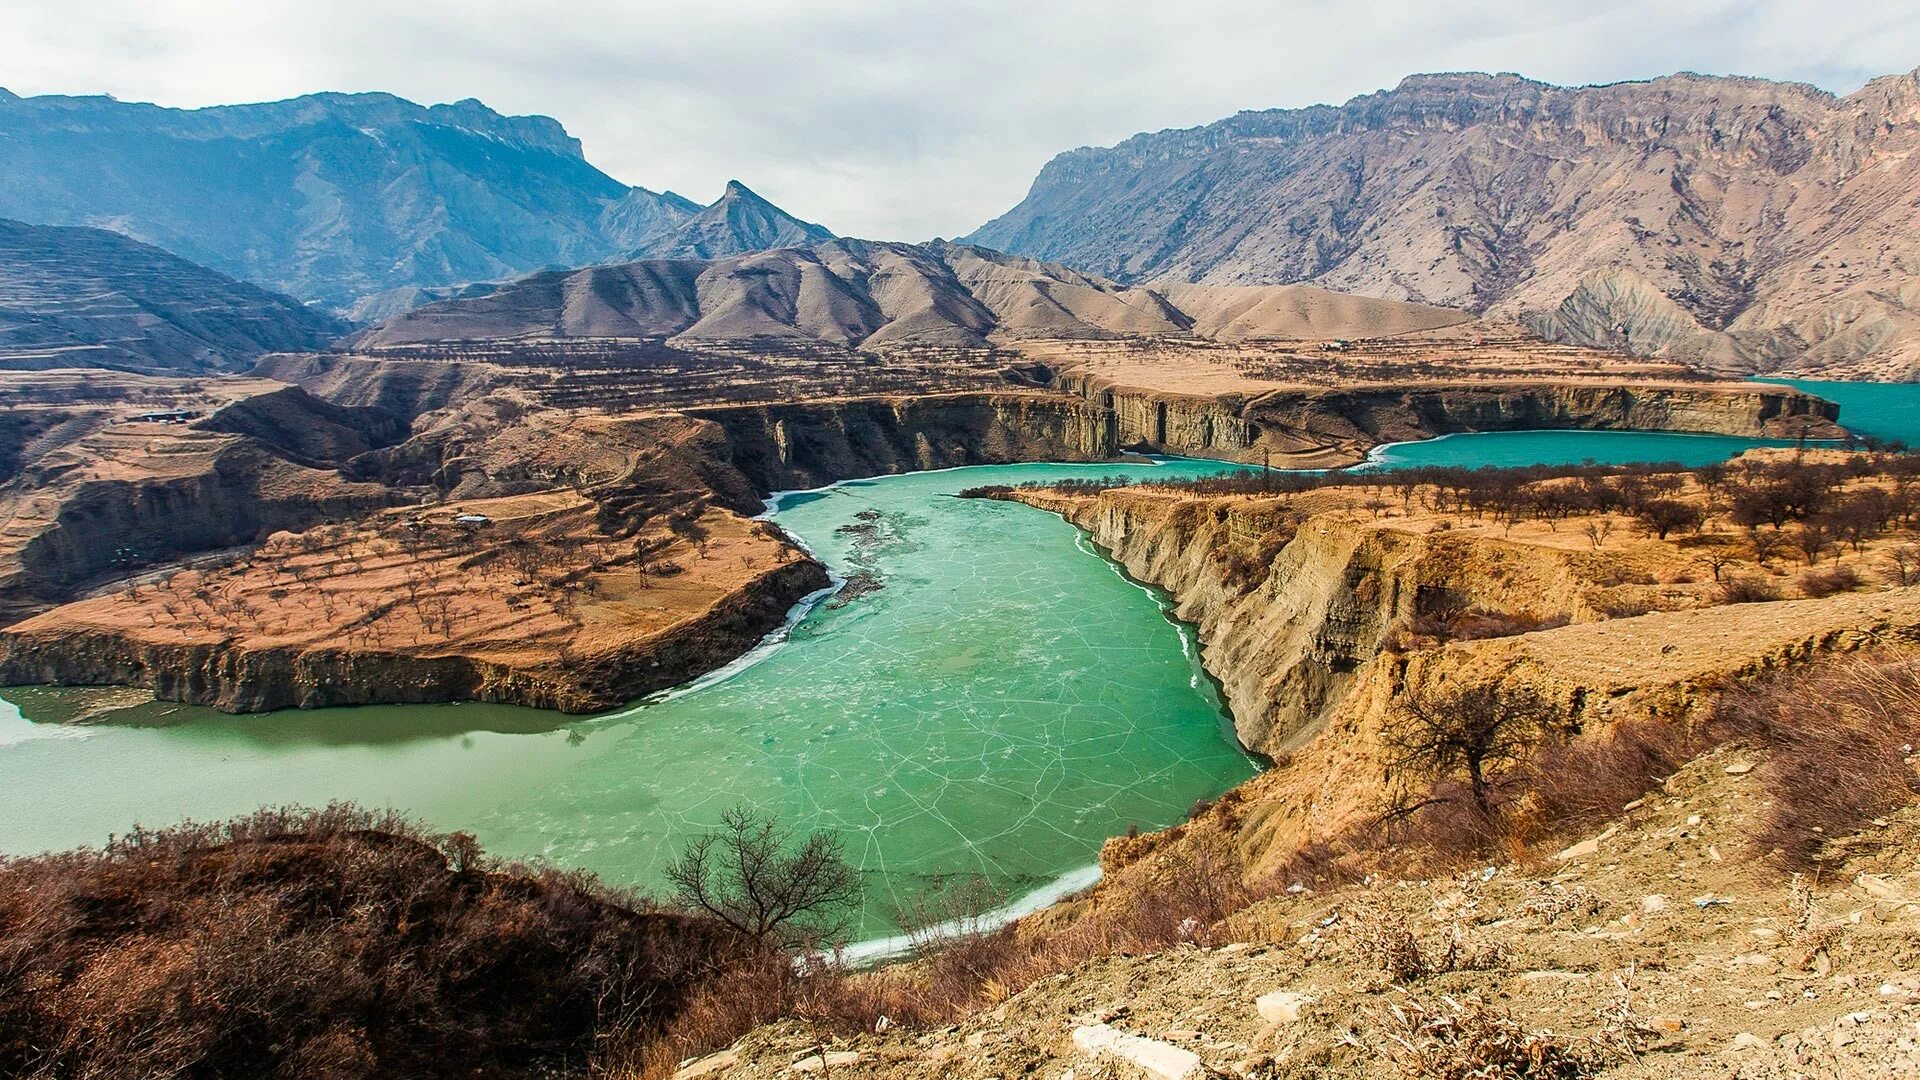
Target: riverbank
{"x": 517, "y": 599}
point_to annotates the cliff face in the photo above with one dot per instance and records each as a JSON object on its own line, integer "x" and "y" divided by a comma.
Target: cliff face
{"x": 233, "y": 677}
{"x": 1288, "y": 648}
{"x": 806, "y": 445}
{"x": 1339, "y": 426}
{"x": 1296, "y": 614}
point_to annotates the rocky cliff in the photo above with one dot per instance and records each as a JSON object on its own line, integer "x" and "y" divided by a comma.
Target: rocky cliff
{"x": 1287, "y": 641}
{"x": 1336, "y": 427}
{"x": 1304, "y": 614}
{"x": 803, "y": 445}
{"x": 1747, "y": 224}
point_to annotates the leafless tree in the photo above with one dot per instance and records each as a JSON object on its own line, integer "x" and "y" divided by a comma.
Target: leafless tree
{"x": 1470, "y": 730}
{"x": 749, "y": 875}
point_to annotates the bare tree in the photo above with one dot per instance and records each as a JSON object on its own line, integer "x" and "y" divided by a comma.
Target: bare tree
{"x": 746, "y": 876}
{"x": 1469, "y": 730}
{"x": 1906, "y": 564}
{"x": 1662, "y": 516}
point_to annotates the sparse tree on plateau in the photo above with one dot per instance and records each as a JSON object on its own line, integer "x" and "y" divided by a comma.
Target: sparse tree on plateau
{"x": 751, "y": 876}
{"x": 1468, "y": 731}
{"x": 1662, "y": 516}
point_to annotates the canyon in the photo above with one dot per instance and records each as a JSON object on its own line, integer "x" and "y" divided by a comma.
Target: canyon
{"x": 280, "y": 458}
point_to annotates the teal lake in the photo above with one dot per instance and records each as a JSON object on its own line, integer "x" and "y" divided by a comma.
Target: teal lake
{"x": 1004, "y": 702}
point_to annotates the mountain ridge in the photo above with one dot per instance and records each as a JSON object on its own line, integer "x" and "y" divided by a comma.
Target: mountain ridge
{"x": 334, "y": 198}
{"x": 877, "y": 294}
{"x": 1770, "y": 214}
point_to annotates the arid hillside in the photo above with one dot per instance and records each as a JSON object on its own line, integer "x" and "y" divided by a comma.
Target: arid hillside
{"x": 1739, "y": 223}
{"x": 75, "y": 297}
{"x": 879, "y": 296}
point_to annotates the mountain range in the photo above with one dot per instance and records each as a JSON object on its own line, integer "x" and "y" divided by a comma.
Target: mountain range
{"x": 1735, "y": 222}
{"x": 335, "y": 198}
{"x": 81, "y": 297}
{"x": 876, "y": 295}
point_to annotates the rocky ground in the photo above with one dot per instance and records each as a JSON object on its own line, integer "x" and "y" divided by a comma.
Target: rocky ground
{"x": 1661, "y": 946}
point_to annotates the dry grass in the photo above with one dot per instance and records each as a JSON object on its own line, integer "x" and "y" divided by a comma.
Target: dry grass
{"x": 1840, "y": 739}
{"x": 1450, "y": 1039}
{"x": 336, "y": 943}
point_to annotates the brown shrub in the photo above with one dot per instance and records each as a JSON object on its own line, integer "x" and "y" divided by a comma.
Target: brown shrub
{"x": 1839, "y": 738}
{"x": 326, "y": 943}
{"x": 1747, "y": 590}
{"x": 1479, "y": 624}
{"x": 1824, "y": 583}
{"x": 1471, "y": 1040}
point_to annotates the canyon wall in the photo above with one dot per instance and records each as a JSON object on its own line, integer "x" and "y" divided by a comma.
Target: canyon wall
{"x": 804, "y": 445}
{"x": 1334, "y": 427}
{"x": 1301, "y": 616}
{"x": 1286, "y": 633}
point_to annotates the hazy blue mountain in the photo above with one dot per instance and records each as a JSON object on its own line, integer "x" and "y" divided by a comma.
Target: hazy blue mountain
{"x": 80, "y": 297}
{"x": 329, "y": 197}
{"x": 740, "y": 222}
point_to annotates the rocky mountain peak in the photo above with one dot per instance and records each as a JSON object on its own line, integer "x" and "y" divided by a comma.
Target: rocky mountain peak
{"x": 1758, "y": 225}
{"x": 739, "y": 221}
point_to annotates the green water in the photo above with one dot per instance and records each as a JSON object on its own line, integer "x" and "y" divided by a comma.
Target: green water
{"x": 1510, "y": 448}
{"x": 1884, "y": 410}
{"x": 1005, "y": 702}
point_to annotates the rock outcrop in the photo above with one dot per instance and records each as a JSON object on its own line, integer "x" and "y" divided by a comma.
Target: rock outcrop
{"x": 803, "y": 445}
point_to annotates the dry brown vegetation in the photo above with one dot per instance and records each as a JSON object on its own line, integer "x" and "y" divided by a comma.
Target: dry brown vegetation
{"x": 338, "y": 943}
{"x": 1472, "y": 351}
{"x": 1841, "y": 745}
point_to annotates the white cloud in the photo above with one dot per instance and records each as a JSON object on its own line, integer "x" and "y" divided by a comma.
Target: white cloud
{"x": 907, "y": 119}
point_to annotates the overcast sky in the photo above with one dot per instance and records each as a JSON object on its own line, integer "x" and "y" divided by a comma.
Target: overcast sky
{"x": 897, "y": 119}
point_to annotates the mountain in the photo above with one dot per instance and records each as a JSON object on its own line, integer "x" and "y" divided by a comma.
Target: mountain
{"x": 1745, "y": 224}
{"x": 80, "y": 297}
{"x": 334, "y": 197}
{"x": 877, "y": 295}
{"x": 739, "y": 222}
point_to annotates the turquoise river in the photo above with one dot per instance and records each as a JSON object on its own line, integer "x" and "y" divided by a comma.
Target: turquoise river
{"x": 1005, "y": 701}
